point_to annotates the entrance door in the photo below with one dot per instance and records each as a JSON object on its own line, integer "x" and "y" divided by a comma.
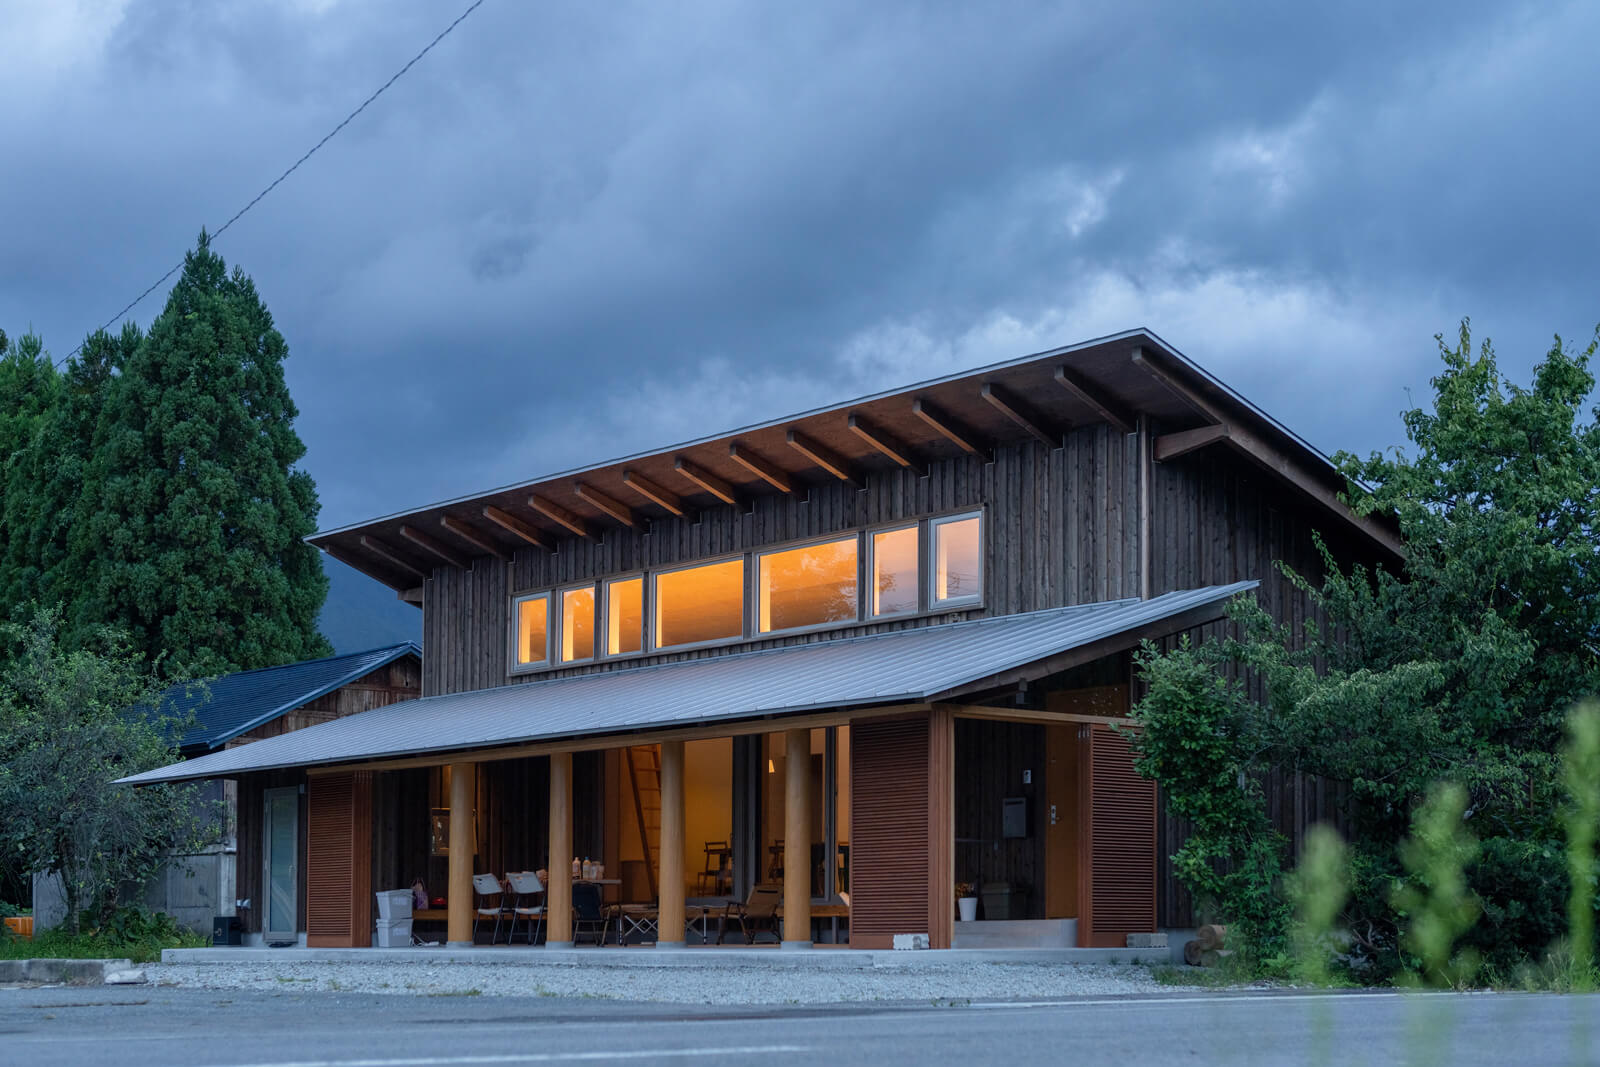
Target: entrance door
{"x": 280, "y": 865}
{"x": 1061, "y": 822}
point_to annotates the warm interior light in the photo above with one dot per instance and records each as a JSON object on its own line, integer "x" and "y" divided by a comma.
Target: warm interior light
{"x": 958, "y": 566}
{"x": 533, "y": 625}
{"x": 624, "y": 616}
{"x": 770, "y": 768}
{"x": 894, "y": 571}
{"x": 808, "y": 586}
{"x": 577, "y": 624}
{"x": 699, "y": 604}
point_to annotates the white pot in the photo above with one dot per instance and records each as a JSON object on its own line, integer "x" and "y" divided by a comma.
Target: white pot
{"x": 969, "y": 909}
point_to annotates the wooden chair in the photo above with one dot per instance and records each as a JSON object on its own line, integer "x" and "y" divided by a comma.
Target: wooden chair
{"x": 717, "y": 870}
{"x": 487, "y": 885}
{"x": 526, "y": 885}
{"x": 759, "y": 911}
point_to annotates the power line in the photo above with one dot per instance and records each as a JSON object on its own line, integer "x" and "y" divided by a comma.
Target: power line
{"x": 294, "y": 167}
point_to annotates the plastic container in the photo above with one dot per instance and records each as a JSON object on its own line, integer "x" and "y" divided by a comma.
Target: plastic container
{"x": 393, "y": 933}
{"x": 394, "y": 904}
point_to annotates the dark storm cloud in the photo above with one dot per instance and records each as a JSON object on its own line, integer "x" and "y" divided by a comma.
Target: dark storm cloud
{"x": 573, "y": 231}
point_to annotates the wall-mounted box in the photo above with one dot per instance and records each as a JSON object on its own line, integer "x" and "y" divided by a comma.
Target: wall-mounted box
{"x": 1014, "y": 817}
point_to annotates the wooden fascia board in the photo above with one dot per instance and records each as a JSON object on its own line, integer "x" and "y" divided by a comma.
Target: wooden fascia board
{"x": 365, "y": 566}
{"x": 560, "y": 516}
{"x": 653, "y": 492}
{"x": 432, "y": 545}
{"x": 615, "y": 508}
{"x": 1172, "y": 445}
{"x": 701, "y": 732}
{"x": 984, "y": 711}
{"x": 950, "y": 429}
{"x": 1106, "y": 409}
{"x": 522, "y": 528}
{"x": 1273, "y": 459}
{"x": 1013, "y": 409}
{"x": 389, "y": 555}
{"x": 761, "y": 467}
{"x": 706, "y": 480}
{"x": 822, "y": 457}
{"x": 884, "y": 442}
{"x": 472, "y": 537}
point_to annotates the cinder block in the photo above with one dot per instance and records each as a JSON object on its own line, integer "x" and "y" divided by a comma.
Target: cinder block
{"x": 1147, "y": 940}
{"x": 904, "y": 942}
{"x": 13, "y": 970}
{"x": 87, "y": 972}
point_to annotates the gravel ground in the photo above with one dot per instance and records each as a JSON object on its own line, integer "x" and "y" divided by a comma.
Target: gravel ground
{"x": 681, "y": 985}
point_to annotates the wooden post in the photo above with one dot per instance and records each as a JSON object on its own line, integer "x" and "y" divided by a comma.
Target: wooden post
{"x": 941, "y": 826}
{"x": 462, "y": 836}
{"x": 670, "y": 913}
{"x": 558, "y": 893}
{"x": 797, "y": 839}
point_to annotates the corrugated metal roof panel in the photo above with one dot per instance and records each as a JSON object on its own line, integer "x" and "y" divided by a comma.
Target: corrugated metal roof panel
{"x": 886, "y": 668}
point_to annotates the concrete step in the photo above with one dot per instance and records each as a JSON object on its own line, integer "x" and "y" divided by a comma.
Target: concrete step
{"x": 1016, "y": 933}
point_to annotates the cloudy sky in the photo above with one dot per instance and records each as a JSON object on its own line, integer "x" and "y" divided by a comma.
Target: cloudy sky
{"x": 576, "y": 230}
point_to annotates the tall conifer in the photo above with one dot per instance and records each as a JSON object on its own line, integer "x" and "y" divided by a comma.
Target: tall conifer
{"x": 195, "y": 543}
{"x": 29, "y": 386}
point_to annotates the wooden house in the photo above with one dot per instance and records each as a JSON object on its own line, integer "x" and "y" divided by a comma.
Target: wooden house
{"x": 864, "y": 652}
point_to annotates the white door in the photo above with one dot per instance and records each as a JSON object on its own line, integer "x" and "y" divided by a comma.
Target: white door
{"x": 280, "y": 865}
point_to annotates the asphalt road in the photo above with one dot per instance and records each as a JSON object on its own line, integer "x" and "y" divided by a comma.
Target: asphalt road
{"x": 133, "y": 1027}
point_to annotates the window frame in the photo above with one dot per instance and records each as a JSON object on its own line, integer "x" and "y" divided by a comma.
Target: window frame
{"x": 653, "y": 604}
{"x": 559, "y": 623}
{"x": 931, "y": 545}
{"x": 868, "y": 587}
{"x": 753, "y": 580}
{"x": 515, "y": 635}
{"x": 603, "y": 615}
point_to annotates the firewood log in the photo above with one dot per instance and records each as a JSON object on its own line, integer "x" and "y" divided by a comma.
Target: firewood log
{"x": 1212, "y": 936}
{"x": 1191, "y": 953}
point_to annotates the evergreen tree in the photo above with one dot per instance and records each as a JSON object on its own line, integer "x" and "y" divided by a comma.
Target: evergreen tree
{"x": 195, "y": 540}
{"x": 29, "y": 386}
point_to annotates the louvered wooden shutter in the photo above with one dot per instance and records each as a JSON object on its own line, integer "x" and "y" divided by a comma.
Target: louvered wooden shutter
{"x": 1117, "y": 857}
{"x": 888, "y": 831}
{"x": 339, "y": 860}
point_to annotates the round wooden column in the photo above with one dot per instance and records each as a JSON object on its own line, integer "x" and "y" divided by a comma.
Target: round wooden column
{"x": 558, "y": 893}
{"x": 462, "y": 846}
{"x": 670, "y": 914}
{"x": 797, "y": 839}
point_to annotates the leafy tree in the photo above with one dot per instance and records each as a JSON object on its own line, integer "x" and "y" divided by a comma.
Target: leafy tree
{"x": 66, "y": 733}
{"x": 195, "y": 543}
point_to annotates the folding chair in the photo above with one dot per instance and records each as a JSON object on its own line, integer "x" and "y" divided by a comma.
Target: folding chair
{"x": 487, "y": 885}
{"x": 526, "y": 885}
{"x": 758, "y": 912}
{"x": 588, "y": 913}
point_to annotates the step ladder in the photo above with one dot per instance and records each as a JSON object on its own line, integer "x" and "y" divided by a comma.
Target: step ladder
{"x": 644, "y": 772}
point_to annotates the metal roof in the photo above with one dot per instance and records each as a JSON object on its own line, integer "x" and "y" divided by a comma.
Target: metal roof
{"x": 878, "y": 669}
{"x": 236, "y": 703}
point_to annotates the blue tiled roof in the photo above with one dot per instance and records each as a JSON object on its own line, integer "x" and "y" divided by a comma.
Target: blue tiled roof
{"x": 235, "y": 703}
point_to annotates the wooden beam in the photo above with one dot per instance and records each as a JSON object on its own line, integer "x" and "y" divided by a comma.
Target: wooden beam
{"x": 707, "y": 481}
{"x": 410, "y": 596}
{"x": 615, "y": 508}
{"x": 983, "y": 711}
{"x": 797, "y": 839}
{"x": 884, "y": 442}
{"x": 951, "y": 430}
{"x": 523, "y": 529}
{"x": 432, "y": 545}
{"x": 1172, "y": 445}
{"x": 1013, "y": 409}
{"x": 389, "y": 555}
{"x": 472, "y": 537}
{"x": 669, "y": 856}
{"x": 1107, "y": 409}
{"x": 762, "y": 468}
{"x": 561, "y": 516}
{"x": 653, "y": 492}
{"x": 1268, "y": 456}
{"x": 822, "y": 457}
{"x": 364, "y": 565}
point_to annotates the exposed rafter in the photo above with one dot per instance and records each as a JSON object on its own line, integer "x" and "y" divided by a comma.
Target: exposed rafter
{"x": 884, "y": 442}
{"x": 521, "y": 527}
{"x": 653, "y": 492}
{"x": 822, "y": 457}
{"x": 615, "y": 508}
{"x": 434, "y": 547}
{"x": 561, "y": 516}
{"x": 362, "y": 564}
{"x": 707, "y": 481}
{"x": 1172, "y": 445}
{"x": 967, "y": 440}
{"x": 1019, "y": 413}
{"x": 411, "y": 596}
{"x": 1107, "y": 409}
{"x": 761, "y": 467}
{"x": 472, "y": 537}
{"x": 391, "y": 557}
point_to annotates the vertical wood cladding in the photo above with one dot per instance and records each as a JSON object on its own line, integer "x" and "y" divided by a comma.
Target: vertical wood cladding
{"x": 1062, "y": 529}
{"x": 389, "y": 684}
{"x": 1117, "y": 865}
{"x": 990, "y": 760}
{"x": 339, "y": 860}
{"x": 890, "y": 853}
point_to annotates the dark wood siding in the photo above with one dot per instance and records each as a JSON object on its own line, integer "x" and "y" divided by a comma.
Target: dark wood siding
{"x": 1062, "y": 529}
{"x": 990, "y": 760}
{"x": 397, "y": 681}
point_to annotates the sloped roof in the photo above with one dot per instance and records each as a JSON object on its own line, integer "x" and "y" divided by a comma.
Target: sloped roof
{"x": 929, "y": 663}
{"x": 237, "y": 703}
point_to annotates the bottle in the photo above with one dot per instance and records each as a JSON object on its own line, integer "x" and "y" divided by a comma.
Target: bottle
{"x": 588, "y": 868}
{"x": 577, "y": 868}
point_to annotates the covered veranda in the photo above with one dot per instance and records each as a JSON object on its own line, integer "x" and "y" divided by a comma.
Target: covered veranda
{"x": 877, "y": 714}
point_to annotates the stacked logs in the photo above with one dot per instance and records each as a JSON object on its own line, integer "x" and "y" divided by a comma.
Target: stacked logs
{"x": 1208, "y": 947}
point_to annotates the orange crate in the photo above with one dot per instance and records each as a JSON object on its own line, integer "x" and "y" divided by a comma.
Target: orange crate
{"x": 21, "y": 925}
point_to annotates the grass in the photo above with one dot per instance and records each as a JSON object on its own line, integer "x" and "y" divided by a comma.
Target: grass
{"x": 57, "y": 944}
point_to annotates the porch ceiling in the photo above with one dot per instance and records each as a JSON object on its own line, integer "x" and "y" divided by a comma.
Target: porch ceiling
{"x": 906, "y": 666}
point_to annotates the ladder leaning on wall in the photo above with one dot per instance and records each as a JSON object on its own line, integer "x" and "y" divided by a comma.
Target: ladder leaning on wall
{"x": 644, "y": 772}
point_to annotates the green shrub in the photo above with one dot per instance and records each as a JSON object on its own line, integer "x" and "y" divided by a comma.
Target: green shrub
{"x": 129, "y": 932}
